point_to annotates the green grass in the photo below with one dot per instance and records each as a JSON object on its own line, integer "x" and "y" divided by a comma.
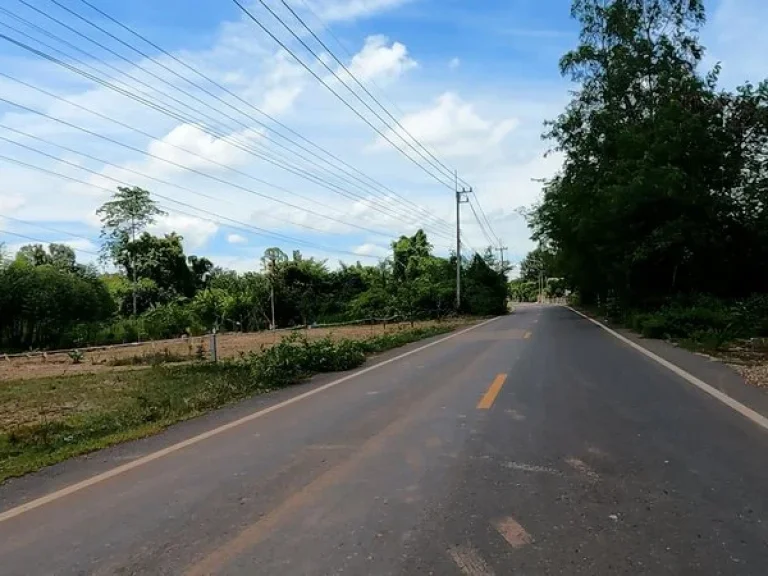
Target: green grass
{"x": 47, "y": 420}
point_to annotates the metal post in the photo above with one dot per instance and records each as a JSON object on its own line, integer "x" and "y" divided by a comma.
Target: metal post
{"x": 214, "y": 346}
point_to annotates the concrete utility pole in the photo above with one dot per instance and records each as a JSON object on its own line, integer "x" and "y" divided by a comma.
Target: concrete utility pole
{"x": 501, "y": 253}
{"x": 272, "y": 289}
{"x": 461, "y": 198}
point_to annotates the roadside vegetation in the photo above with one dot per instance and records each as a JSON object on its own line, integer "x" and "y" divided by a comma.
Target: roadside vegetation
{"x": 50, "y": 301}
{"x": 658, "y": 218}
{"x": 47, "y": 420}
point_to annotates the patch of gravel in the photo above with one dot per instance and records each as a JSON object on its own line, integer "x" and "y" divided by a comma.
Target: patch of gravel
{"x": 755, "y": 374}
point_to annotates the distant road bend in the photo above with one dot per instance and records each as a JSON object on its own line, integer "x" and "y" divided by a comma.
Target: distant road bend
{"x": 535, "y": 443}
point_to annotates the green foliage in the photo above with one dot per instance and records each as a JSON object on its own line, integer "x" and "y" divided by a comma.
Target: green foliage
{"x": 76, "y": 356}
{"x": 47, "y": 300}
{"x": 700, "y": 321}
{"x": 664, "y": 188}
{"x": 41, "y": 306}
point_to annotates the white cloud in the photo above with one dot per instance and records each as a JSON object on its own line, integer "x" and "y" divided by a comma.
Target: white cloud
{"x": 454, "y": 63}
{"x": 469, "y": 134}
{"x": 339, "y": 10}
{"x": 203, "y": 149}
{"x": 196, "y": 232}
{"x": 454, "y": 128}
{"x": 369, "y": 249}
{"x": 236, "y": 239}
{"x": 379, "y": 60}
{"x": 10, "y": 202}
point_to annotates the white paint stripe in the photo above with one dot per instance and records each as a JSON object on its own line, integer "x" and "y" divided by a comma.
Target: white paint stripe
{"x": 71, "y": 489}
{"x": 757, "y": 418}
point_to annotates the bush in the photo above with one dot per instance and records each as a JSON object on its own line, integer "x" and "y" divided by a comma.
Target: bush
{"x": 701, "y": 321}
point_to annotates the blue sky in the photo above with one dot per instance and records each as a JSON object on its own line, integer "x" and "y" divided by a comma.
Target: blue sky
{"x": 472, "y": 80}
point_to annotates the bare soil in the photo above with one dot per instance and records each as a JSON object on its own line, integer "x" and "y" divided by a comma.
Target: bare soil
{"x": 230, "y": 345}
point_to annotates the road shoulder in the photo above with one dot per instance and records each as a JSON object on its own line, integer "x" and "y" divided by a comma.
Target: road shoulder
{"x": 706, "y": 368}
{"x": 16, "y": 491}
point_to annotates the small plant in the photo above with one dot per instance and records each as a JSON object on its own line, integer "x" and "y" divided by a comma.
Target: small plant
{"x": 76, "y": 356}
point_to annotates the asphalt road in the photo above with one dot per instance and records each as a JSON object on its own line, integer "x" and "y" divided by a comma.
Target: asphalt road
{"x": 534, "y": 444}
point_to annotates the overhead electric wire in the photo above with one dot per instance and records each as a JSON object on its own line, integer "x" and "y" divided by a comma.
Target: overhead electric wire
{"x": 350, "y": 55}
{"x": 482, "y": 226}
{"x": 367, "y": 91}
{"x": 434, "y": 162}
{"x": 245, "y": 102}
{"x": 329, "y": 88}
{"x": 376, "y": 205}
{"x": 487, "y": 221}
{"x": 149, "y": 177}
{"x": 157, "y": 63}
{"x": 121, "y": 182}
{"x": 256, "y": 229}
{"x": 48, "y": 228}
{"x": 335, "y": 75}
{"x": 233, "y": 223}
{"x": 33, "y": 239}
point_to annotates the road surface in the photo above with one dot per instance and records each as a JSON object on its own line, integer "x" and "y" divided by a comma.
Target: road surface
{"x": 533, "y": 444}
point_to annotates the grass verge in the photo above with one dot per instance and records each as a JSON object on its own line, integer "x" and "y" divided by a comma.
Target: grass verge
{"x": 48, "y": 420}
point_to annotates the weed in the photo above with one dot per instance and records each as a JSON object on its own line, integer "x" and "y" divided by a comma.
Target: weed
{"x": 76, "y": 356}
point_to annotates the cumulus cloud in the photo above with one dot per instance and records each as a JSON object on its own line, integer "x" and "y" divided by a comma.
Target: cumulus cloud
{"x": 9, "y": 203}
{"x": 190, "y": 146}
{"x": 369, "y": 249}
{"x": 380, "y": 60}
{"x": 196, "y": 232}
{"x": 340, "y": 10}
{"x": 454, "y": 128}
{"x": 236, "y": 239}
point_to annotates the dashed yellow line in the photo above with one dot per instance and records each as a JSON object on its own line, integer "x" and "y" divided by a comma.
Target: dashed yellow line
{"x": 490, "y": 396}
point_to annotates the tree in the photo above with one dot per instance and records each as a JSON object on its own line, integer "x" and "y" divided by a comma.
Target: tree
{"x": 656, "y": 159}
{"x": 129, "y": 212}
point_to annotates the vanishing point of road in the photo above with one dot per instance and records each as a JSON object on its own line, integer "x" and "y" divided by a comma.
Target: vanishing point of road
{"x": 536, "y": 443}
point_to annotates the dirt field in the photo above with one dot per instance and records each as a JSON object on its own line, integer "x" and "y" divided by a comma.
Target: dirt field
{"x": 230, "y": 345}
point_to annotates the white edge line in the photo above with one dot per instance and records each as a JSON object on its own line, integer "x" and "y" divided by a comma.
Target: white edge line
{"x": 71, "y": 489}
{"x": 757, "y": 418}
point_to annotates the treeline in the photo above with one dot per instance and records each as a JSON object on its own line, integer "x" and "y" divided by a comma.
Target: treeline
{"x": 48, "y": 300}
{"x": 663, "y": 195}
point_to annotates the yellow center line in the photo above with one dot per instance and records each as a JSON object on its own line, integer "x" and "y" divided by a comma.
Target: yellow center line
{"x": 527, "y": 335}
{"x": 490, "y": 396}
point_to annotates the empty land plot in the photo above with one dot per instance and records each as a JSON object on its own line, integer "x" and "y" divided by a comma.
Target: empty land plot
{"x": 133, "y": 356}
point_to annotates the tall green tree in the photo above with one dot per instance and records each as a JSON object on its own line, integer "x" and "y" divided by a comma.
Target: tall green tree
{"x": 655, "y": 160}
{"x": 123, "y": 218}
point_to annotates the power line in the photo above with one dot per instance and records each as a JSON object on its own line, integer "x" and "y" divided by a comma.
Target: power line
{"x": 48, "y": 228}
{"x": 147, "y": 176}
{"x": 256, "y": 229}
{"x": 239, "y": 98}
{"x": 175, "y": 164}
{"x": 157, "y": 63}
{"x": 229, "y": 168}
{"x": 487, "y": 221}
{"x": 480, "y": 222}
{"x": 334, "y": 92}
{"x": 33, "y": 239}
{"x": 229, "y": 222}
{"x": 376, "y": 205}
{"x": 335, "y": 75}
{"x": 432, "y": 160}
